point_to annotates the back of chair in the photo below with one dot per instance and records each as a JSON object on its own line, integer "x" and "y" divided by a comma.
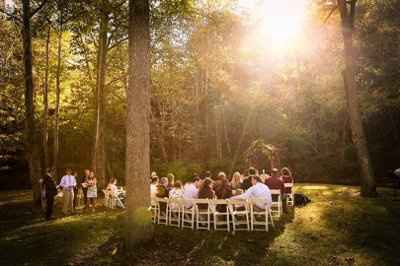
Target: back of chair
{"x": 235, "y": 204}
{"x": 220, "y": 205}
{"x": 201, "y": 203}
{"x": 288, "y": 185}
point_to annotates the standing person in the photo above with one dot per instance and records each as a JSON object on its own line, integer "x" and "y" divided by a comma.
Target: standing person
{"x": 92, "y": 191}
{"x": 84, "y": 186}
{"x": 76, "y": 189}
{"x": 68, "y": 182}
{"x": 50, "y": 192}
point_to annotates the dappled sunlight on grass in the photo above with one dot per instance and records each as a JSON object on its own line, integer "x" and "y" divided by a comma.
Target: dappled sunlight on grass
{"x": 337, "y": 228}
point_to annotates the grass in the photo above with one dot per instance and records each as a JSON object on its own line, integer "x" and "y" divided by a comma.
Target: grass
{"x": 337, "y": 228}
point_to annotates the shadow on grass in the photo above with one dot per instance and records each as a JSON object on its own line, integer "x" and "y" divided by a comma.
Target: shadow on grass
{"x": 172, "y": 246}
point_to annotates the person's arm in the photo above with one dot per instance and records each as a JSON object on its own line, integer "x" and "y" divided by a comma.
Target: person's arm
{"x": 62, "y": 182}
{"x": 245, "y": 195}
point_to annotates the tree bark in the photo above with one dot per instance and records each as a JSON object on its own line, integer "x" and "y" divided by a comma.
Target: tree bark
{"x": 58, "y": 104}
{"x": 29, "y": 103}
{"x": 45, "y": 133}
{"x": 99, "y": 145}
{"x": 139, "y": 225}
{"x": 368, "y": 186}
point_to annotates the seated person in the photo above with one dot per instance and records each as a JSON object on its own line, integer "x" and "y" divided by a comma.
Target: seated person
{"x": 274, "y": 182}
{"x": 247, "y": 181}
{"x": 153, "y": 187}
{"x": 287, "y": 178}
{"x": 257, "y": 190}
{"x": 223, "y": 190}
{"x": 112, "y": 187}
{"x": 176, "y": 191}
{"x": 206, "y": 192}
{"x": 191, "y": 191}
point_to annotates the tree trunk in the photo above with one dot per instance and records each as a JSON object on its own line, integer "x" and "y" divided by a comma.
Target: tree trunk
{"x": 99, "y": 146}
{"x": 139, "y": 225}
{"x": 368, "y": 186}
{"x": 58, "y": 104}
{"x": 45, "y": 133}
{"x": 29, "y": 104}
{"x": 218, "y": 137}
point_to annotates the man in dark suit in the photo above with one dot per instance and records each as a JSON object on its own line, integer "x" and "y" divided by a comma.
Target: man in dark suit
{"x": 51, "y": 191}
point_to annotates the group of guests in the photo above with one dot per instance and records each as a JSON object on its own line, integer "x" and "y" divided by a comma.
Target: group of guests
{"x": 69, "y": 185}
{"x": 254, "y": 185}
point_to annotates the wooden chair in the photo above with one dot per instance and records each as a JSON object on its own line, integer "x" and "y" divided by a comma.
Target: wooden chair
{"x": 203, "y": 214}
{"x": 162, "y": 208}
{"x": 239, "y": 211}
{"x": 154, "y": 209}
{"x": 256, "y": 213}
{"x": 276, "y": 207}
{"x": 289, "y": 196}
{"x": 174, "y": 212}
{"x": 220, "y": 213}
{"x": 188, "y": 214}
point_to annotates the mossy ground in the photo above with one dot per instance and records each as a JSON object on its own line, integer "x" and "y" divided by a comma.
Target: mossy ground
{"x": 337, "y": 228}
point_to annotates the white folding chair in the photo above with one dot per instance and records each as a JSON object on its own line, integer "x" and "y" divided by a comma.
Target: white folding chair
{"x": 220, "y": 213}
{"x": 188, "y": 213}
{"x": 174, "y": 212}
{"x": 154, "y": 209}
{"x": 276, "y": 207}
{"x": 239, "y": 211}
{"x": 108, "y": 201}
{"x": 260, "y": 217}
{"x": 162, "y": 208}
{"x": 203, "y": 214}
{"x": 289, "y": 196}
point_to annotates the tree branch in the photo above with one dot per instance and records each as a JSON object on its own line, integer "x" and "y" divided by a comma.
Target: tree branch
{"x": 33, "y": 13}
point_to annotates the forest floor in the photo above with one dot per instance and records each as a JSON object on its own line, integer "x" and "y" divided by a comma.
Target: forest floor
{"x": 337, "y": 228}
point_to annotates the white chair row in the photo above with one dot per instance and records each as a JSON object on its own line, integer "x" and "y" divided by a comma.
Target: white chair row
{"x": 203, "y": 214}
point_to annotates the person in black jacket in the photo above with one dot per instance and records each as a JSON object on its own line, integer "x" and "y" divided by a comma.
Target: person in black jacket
{"x": 51, "y": 191}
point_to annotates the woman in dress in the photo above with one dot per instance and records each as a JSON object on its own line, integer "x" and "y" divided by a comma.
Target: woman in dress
{"x": 91, "y": 191}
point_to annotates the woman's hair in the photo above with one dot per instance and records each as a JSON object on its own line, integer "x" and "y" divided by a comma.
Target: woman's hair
{"x": 178, "y": 184}
{"x": 112, "y": 180}
{"x": 286, "y": 171}
{"x": 207, "y": 182}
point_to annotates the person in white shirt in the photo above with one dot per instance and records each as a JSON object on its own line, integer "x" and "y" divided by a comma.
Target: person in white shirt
{"x": 257, "y": 190}
{"x": 68, "y": 183}
{"x": 191, "y": 191}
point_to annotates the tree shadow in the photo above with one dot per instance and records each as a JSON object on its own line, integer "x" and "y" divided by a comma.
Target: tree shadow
{"x": 172, "y": 246}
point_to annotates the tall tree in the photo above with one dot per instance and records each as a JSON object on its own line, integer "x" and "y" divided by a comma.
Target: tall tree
{"x": 30, "y": 148}
{"x": 99, "y": 148}
{"x": 138, "y": 124}
{"x": 45, "y": 131}
{"x": 347, "y": 11}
